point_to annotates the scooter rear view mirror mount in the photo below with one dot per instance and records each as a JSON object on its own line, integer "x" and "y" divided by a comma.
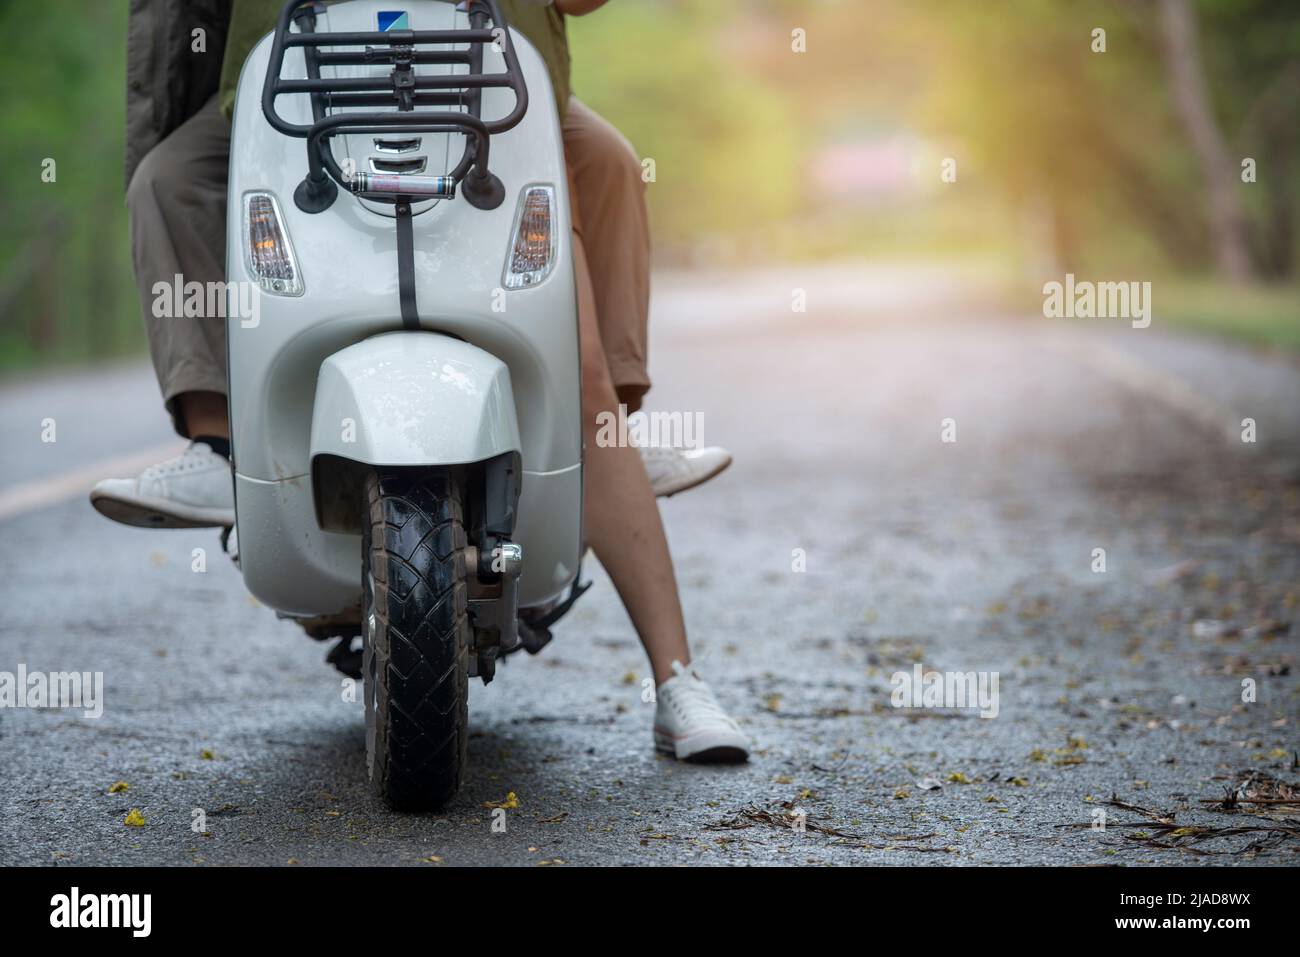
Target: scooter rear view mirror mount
{"x": 315, "y": 196}
{"x": 483, "y": 190}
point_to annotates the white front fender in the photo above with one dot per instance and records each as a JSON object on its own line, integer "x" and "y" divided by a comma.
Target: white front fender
{"x": 413, "y": 398}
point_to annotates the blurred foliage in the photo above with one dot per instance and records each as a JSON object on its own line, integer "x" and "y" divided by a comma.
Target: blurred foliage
{"x": 1067, "y": 159}
{"x": 719, "y": 134}
{"x": 1265, "y": 315}
{"x": 1091, "y": 142}
{"x": 66, "y": 288}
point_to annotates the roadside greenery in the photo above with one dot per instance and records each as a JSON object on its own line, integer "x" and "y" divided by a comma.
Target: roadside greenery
{"x": 1066, "y": 158}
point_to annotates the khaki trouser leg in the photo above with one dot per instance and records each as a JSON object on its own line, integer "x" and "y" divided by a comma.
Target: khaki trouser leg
{"x": 177, "y": 204}
{"x": 610, "y": 217}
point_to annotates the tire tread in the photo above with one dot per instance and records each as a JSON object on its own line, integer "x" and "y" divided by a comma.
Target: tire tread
{"x": 418, "y": 657}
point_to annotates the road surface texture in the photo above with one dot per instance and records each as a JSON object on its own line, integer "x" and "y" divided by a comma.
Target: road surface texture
{"x": 848, "y": 542}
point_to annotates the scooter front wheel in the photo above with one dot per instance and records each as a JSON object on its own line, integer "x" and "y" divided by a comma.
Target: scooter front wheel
{"x": 416, "y": 632}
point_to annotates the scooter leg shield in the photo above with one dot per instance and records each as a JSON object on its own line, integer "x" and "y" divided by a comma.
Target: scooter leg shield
{"x": 413, "y": 398}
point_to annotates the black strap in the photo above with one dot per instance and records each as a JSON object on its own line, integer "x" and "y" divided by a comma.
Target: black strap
{"x": 406, "y": 266}
{"x": 576, "y": 591}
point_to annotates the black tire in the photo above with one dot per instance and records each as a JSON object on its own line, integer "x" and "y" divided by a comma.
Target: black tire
{"x": 415, "y": 627}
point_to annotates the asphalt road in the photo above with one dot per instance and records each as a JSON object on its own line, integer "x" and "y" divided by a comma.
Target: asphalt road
{"x": 973, "y": 555}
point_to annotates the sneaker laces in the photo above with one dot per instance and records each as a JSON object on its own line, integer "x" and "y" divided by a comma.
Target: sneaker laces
{"x": 188, "y": 460}
{"x": 664, "y": 456}
{"x": 691, "y": 695}
{"x": 657, "y": 451}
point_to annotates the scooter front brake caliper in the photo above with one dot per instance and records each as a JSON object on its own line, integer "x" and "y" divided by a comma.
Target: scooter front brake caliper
{"x": 495, "y": 619}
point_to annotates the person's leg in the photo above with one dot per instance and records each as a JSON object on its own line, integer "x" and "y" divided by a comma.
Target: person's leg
{"x": 620, "y": 517}
{"x": 609, "y": 206}
{"x": 203, "y": 413}
{"x": 177, "y": 204}
{"x": 610, "y": 198}
{"x": 624, "y": 529}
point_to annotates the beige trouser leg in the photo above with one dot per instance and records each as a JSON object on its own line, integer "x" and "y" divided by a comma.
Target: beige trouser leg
{"x": 177, "y": 204}
{"x": 610, "y": 218}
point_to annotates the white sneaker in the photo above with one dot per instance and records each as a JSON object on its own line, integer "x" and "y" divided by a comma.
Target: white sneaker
{"x": 691, "y": 725}
{"x": 675, "y": 470}
{"x": 193, "y": 490}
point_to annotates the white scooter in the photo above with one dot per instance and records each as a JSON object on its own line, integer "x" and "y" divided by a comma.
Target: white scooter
{"x": 405, "y": 406}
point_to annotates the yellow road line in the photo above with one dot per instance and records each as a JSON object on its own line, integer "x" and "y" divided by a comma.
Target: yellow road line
{"x": 51, "y": 490}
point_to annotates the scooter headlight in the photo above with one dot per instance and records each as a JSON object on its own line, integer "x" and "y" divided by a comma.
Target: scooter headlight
{"x": 268, "y": 252}
{"x": 532, "y": 251}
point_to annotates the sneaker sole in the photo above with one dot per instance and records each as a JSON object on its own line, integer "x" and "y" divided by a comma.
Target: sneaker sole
{"x": 722, "y": 754}
{"x": 691, "y": 483}
{"x": 159, "y": 513}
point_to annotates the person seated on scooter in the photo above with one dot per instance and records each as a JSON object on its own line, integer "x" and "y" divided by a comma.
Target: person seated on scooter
{"x": 177, "y": 151}
{"x": 178, "y": 142}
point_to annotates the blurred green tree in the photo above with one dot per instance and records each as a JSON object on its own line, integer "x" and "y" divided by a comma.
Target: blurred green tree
{"x": 65, "y": 280}
{"x": 725, "y": 157}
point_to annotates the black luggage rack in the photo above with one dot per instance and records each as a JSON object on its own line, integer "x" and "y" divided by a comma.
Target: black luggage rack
{"x": 401, "y": 88}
